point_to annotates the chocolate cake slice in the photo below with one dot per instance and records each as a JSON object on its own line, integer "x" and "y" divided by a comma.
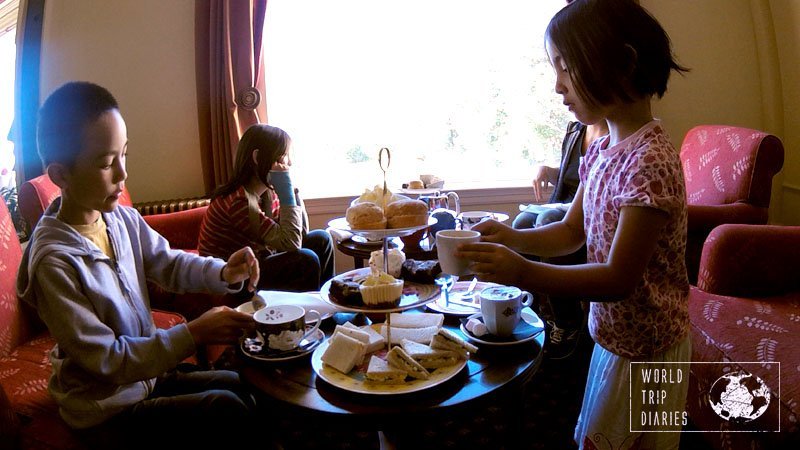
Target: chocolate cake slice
{"x": 346, "y": 292}
{"x": 422, "y": 272}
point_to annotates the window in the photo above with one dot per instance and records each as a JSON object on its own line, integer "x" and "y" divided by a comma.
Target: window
{"x": 457, "y": 88}
{"x": 8, "y": 23}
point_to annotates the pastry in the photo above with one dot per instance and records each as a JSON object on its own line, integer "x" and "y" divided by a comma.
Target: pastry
{"x": 416, "y": 184}
{"x": 406, "y": 213}
{"x": 378, "y": 196}
{"x": 346, "y": 292}
{"x": 422, "y": 272}
{"x": 396, "y": 259}
{"x": 365, "y": 216}
{"x": 381, "y": 290}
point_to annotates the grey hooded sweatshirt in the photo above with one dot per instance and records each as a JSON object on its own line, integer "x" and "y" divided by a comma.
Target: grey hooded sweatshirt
{"x": 108, "y": 350}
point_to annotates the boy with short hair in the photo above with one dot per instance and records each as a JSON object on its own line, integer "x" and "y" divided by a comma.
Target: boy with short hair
{"x": 85, "y": 271}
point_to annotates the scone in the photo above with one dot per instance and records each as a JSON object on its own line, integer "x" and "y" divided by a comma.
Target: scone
{"x": 380, "y": 289}
{"x": 365, "y": 216}
{"x": 406, "y": 213}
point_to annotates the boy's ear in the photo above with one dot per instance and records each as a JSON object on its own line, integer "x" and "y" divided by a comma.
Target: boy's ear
{"x": 58, "y": 173}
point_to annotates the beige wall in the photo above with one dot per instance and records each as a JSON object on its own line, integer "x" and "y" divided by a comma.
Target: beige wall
{"x": 786, "y": 17}
{"x": 143, "y": 52}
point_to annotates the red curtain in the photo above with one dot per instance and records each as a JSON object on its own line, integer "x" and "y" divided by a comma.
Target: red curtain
{"x": 230, "y": 80}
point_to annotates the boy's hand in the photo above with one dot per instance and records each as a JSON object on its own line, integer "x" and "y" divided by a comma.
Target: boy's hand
{"x": 220, "y": 325}
{"x": 242, "y": 265}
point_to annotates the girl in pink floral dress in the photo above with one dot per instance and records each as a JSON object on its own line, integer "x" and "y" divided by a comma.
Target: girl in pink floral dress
{"x": 611, "y": 57}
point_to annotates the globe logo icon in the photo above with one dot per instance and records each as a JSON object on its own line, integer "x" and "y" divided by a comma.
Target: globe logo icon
{"x": 739, "y": 397}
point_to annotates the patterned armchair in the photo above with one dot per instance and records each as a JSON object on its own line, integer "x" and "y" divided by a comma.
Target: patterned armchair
{"x": 746, "y": 308}
{"x": 728, "y": 172}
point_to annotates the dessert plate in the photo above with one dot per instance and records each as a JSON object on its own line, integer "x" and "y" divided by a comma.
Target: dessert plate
{"x": 460, "y": 308}
{"x": 354, "y": 381}
{"x": 307, "y": 346}
{"x": 341, "y": 224}
{"x": 527, "y": 329}
{"x": 424, "y": 191}
{"x": 498, "y": 216}
{"x": 308, "y": 300}
{"x": 414, "y": 294}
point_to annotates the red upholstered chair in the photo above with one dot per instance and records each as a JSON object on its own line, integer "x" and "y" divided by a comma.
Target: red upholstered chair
{"x": 28, "y": 415}
{"x": 180, "y": 228}
{"x": 746, "y": 308}
{"x": 728, "y": 172}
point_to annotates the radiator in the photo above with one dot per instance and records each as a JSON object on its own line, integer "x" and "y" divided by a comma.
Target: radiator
{"x": 168, "y": 206}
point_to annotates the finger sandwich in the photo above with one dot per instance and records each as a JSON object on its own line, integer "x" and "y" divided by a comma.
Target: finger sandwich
{"x": 398, "y": 357}
{"x": 421, "y": 335}
{"x": 374, "y": 342}
{"x": 427, "y": 357}
{"x": 381, "y": 372}
{"x": 354, "y": 333}
{"x": 445, "y": 339}
{"x": 343, "y": 352}
{"x": 420, "y": 320}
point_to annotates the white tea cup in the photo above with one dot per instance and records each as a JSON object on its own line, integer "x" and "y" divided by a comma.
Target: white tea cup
{"x": 470, "y": 218}
{"x": 447, "y": 241}
{"x": 501, "y": 308}
{"x": 283, "y": 327}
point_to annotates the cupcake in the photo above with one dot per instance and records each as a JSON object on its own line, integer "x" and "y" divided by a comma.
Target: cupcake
{"x": 380, "y": 289}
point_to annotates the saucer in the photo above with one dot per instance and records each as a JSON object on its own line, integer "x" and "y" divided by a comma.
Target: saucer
{"x": 527, "y": 329}
{"x": 308, "y": 345}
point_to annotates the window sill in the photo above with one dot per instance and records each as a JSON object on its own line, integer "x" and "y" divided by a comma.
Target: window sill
{"x": 469, "y": 198}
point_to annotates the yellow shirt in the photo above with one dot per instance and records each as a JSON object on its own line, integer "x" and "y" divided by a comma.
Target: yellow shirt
{"x": 96, "y": 233}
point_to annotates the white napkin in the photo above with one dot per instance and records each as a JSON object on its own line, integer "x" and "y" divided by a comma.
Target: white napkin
{"x": 339, "y": 235}
{"x": 308, "y": 300}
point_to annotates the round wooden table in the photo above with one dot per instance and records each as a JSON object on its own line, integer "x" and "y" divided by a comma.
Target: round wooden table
{"x": 294, "y": 390}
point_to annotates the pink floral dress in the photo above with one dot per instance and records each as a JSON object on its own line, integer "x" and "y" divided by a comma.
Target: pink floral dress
{"x": 643, "y": 170}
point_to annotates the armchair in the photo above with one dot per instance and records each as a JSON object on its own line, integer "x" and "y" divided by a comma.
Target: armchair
{"x": 180, "y": 225}
{"x": 728, "y": 172}
{"x": 745, "y": 308}
{"x": 28, "y": 415}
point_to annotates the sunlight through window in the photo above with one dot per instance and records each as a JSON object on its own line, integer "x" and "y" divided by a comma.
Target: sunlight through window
{"x": 459, "y": 89}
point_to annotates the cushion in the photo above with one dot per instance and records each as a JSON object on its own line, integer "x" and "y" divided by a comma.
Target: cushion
{"x": 734, "y": 329}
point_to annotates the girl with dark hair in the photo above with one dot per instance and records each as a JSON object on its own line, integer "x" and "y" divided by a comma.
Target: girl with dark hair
{"x": 292, "y": 258}
{"x": 611, "y": 57}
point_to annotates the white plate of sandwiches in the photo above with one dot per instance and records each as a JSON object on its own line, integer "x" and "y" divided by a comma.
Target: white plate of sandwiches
{"x": 423, "y": 355}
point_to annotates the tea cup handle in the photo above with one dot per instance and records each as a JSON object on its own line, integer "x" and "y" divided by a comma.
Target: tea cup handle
{"x": 317, "y": 321}
{"x": 456, "y": 201}
{"x": 528, "y": 300}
